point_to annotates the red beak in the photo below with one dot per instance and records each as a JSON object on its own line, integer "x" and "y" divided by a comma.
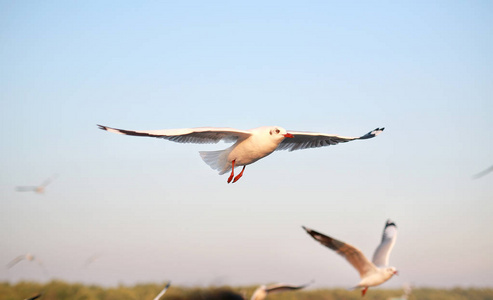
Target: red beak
{"x": 396, "y": 273}
{"x": 289, "y": 135}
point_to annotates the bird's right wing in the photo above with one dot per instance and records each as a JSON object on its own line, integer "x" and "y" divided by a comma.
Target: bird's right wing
{"x": 352, "y": 254}
{"x": 163, "y": 291}
{"x": 199, "y": 135}
{"x": 382, "y": 253}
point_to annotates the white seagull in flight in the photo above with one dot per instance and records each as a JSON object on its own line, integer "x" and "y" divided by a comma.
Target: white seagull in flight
{"x": 40, "y": 189}
{"x": 372, "y": 273}
{"x": 262, "y": 291}
{"x": 28, "y": 257}
{"x": 249, "y": 145}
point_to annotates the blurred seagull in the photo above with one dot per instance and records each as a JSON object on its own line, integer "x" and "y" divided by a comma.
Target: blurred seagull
{"x": 28, "y": 257}
{"x": 372, "y": 273}
{"x": 262, "y": 291}
{"x": 249, "y": 145}
{"x": 163, "y": 291}
{"x": 483, "y": 173}
{"x": 37, "y": 189}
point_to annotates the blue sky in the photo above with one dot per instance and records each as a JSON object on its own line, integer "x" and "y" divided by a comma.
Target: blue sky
{"x": 156, "y": 212}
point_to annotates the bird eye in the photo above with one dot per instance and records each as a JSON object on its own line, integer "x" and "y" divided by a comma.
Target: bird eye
{"x": 277, "y": 130}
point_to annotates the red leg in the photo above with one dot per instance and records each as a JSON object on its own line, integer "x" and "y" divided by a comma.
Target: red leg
{"x": 239, "y": 175}
{"x": 363, "y": 292}
{"x": 232, "y": 171}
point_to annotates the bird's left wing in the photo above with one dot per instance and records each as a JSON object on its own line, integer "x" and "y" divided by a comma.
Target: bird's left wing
{"x": 382, "y": 253}
{"x": 163, "y": 291}
{"x": 15, "y": 261}
{"x": 199, "y": 135}
{"x": 304, "y": 140}
{"x": 482, "y": 173}
{"x": 281, "y": 287}
{"x": 25, "y": 188}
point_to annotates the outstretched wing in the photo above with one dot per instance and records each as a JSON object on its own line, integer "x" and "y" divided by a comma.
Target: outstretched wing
{"x": 353, "y": 255}
{"x": 281, "y": 287}
{"x": 26, "y": 188}
{"x": 382, "y": 253}
{"x": 35, "y": 297}
{"x": 199, "y": 135}
{"x": 163, "y": 291}
{"x": 15, "y": 261}
{"x": 304, "y": 140}
{"x": 483, "y": 173}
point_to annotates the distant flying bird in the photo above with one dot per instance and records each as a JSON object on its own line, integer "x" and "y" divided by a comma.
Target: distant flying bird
{"x": 158, "y": 297}
{"x": 407, "y": 291}
{"x": 262, "y": 291}
{"x": 35, "y": 297}
{"x": 28, "y": 257}
{"x": 372, "y": 273}
{"x": 40, "y": 189}
{"x": 249, "y": 145}
{"x": 91, "y": 259}
{"x": 483, "y": 173}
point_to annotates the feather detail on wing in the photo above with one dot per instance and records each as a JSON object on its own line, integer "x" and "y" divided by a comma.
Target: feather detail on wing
{"x": 382, "y": 253}
{"x": 304, "y": 140}
{"x": 353, "y": 255}
{"x": 200, "y": 135}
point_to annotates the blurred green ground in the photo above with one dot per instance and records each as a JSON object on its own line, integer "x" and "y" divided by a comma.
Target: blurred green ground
{"x": 60, "y": 290}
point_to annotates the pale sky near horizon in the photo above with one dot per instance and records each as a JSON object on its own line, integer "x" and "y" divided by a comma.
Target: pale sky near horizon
{"x": 154, "y": 211}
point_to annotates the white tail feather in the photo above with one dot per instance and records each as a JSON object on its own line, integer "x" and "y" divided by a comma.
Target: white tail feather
{"x": 217, "y": 160}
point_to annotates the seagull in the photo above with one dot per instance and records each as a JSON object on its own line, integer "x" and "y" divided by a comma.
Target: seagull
{"x": 163, "y": 291}
{"x": 249, "y": 145}
{"x": 262, "y": 291}
{"x": 372, "y": 273}
{"x": 28, "y": 257}
{"x": 40, "y": 189}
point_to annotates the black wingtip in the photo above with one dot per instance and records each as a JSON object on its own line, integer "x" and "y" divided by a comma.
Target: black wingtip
{"x": 390, "y": 223}
{"x": 102, "y": 127}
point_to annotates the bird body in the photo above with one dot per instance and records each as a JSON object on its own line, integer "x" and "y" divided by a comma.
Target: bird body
{"x": 371, "y": 273}
{"x": 249, "y": 145}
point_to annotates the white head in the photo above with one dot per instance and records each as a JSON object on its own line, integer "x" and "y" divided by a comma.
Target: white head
{"x": 279, "y": 132}
{"x": 391, "y": 271}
